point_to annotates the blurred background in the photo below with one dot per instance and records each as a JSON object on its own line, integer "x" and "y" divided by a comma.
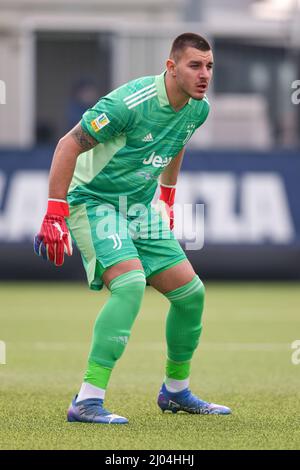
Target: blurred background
{"x": 58, "y": 57}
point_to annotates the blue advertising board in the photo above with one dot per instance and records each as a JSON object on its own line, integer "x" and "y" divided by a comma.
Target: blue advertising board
{"x": 247, "y": 227}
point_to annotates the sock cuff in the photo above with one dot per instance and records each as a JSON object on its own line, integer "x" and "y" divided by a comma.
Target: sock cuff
{"x": 97, "y": 375}
{"x": 185, "y": 291}
{"x": 132, "y": 277}
{"x": 178, "y": 370}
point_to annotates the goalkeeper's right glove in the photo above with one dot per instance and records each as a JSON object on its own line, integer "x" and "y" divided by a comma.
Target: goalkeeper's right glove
{"x": 54, "y": 238}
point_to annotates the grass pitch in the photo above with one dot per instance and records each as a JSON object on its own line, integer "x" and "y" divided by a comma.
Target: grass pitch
{"x": 244, "y": 361}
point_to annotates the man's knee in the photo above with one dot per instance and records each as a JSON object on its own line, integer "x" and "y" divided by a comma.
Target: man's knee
{"x": 200, "y": 293}
{"x": 193, "y": 291}
{"x": 119, "y": 268}
{"x": 173, "y": 277}
{"x": 130, "y": 287}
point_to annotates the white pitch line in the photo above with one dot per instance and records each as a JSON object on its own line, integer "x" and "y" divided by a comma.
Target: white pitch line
{"x": 153, "y": 346}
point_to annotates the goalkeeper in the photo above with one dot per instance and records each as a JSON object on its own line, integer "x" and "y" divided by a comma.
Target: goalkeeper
{"x": 103, "y": 178}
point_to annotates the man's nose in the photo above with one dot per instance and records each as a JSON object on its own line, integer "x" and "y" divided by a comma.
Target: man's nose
{"x": 204, "y": 73}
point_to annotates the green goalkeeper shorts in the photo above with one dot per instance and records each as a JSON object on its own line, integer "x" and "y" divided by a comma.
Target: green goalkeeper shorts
{"x": 105, "y": 237}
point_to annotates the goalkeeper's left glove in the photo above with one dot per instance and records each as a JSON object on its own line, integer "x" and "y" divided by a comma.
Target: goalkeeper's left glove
{"x": 165, "y": 203}
{"x": 54, "y": 238}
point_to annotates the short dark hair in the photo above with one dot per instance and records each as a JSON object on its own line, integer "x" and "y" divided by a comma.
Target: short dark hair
{"x": 188, "y": 40}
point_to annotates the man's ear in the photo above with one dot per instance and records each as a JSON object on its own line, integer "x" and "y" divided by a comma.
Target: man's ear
{"x": 171, "y": 67}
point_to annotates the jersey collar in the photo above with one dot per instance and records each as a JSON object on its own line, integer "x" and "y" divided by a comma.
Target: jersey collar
{"x": 161, "y": 90}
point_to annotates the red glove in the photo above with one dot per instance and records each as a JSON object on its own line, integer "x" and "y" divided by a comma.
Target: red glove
{"x": 54, "y": 238}
{"x": 166, "y": 202}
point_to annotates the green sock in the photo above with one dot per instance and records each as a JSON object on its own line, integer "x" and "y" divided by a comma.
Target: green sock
{"x": 113, "y": 326}
{"x": 97, "y": 375}
{"x": 184, "y": 323}
{"x": 178, "y": 370}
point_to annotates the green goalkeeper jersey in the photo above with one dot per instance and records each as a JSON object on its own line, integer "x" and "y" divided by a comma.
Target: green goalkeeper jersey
{"x": 139, "y": 133}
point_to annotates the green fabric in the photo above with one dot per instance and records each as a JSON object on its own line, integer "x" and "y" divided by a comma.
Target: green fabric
{"x": 113, "y": 324}
{"x": 171, "y": 265}
{"x": 183, "y": 327}
{"x": 139, "y": 134}
{"x": 97, "y": 375}
{"x": 178, "y": 370}
{"x": 105, "y": 237}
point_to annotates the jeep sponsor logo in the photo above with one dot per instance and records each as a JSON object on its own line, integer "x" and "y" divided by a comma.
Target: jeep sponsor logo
{"x": 157, "y": 161}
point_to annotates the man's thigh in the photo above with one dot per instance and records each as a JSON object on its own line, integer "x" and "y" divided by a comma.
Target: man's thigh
{"x": 119, "y": 268}
{"x": 156, "y": 245}
{"x": 173, "y": 277}
{"x": 101, "y": 235}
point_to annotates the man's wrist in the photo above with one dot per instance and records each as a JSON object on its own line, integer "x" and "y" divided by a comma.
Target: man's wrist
{"x": 167, "y": 194}
{"x": 58, "y": 207}
{"x": 168, "y": 185}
